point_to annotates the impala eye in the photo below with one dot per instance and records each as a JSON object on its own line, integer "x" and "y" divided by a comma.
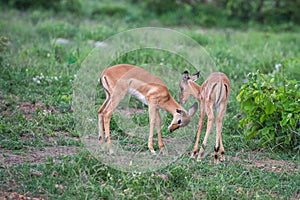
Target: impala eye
{"x": 179, "y": 121}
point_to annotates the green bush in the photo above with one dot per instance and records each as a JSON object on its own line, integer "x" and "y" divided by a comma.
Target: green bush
{"x": 263, "y": 11}
{"x": 55, "y": 29}
{"x": 160, "y": 7}
{"x": 56, "y": 5}
{"x": 111, "y": 10}
{"x": 272, "y": 108}
{"x": 4, "y": 50}
{"x": 26, "y": 4}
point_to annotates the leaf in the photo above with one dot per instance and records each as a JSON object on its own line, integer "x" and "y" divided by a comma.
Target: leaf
{"x": 284, "y": 120}
{"x": 255, "y": 85}
{"x": 262, "y": 118}
{"x": 256, "y": 99}
{"x": 292, "y": 122}
{"x": 288, "y": 139}
{"x": 239, "y": 96}
{"x": 270, "y": 108}
{"x": 255, "y": 92}
{"x": 250, "y": 134}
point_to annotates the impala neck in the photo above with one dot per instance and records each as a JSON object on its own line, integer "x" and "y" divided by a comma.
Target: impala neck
{"x": 196, "y": 89}
{"x": 171, "y": 105}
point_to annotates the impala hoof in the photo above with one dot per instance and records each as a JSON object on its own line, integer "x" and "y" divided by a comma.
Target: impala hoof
{"x": 199, "y": 159}
{"x": 101, "y": 142}
{"x": 163, "y": 152}
{"x": 111, "y": 152}
{"x": 193, "y": 155}
{"x": 153, "y": 152}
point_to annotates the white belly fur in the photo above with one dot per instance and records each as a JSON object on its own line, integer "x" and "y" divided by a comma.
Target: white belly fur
{"x": 138, "y": 95}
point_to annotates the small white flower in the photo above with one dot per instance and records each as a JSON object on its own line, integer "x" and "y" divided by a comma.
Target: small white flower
{"x": 277, "y": 66}
{"x": 38, "y": 81}
{"x": 46, "y": 112}
{"x": 48, "y": 79}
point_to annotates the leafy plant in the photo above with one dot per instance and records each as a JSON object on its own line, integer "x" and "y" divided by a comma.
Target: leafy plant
{"x": 272, "y": 107}
{"x": 4, "y": 49}
{"x": 57, "y": 5}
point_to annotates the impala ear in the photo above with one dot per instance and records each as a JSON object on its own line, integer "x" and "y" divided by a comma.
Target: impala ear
{"x": 193, "y": 109}
{"x": 195, "y": 76}
{"x": 185, "y": 75}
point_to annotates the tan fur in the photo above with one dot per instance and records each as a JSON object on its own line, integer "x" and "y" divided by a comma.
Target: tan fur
{"x": 150, "y": 89}
{"x": 212, "y": 94}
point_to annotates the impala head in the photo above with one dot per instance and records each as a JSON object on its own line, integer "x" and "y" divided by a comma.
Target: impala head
{"x": 185, "y": 88}
{"x": 182, "y": 118}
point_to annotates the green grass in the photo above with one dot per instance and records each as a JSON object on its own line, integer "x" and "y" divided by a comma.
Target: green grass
{"x": 36, "y": 86}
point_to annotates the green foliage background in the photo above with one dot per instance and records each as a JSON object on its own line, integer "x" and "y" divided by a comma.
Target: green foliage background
{"x": 272, "y": 108}
{"x": 241, "y": 36}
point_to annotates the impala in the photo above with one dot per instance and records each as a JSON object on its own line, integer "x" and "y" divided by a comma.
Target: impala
{"x": 212, "y": 94}
{"x": 148, "y": 88}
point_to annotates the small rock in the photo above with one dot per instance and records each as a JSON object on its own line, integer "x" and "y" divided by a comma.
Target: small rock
{"x": 35, "y": 172}
{"x": 62, "y": 41}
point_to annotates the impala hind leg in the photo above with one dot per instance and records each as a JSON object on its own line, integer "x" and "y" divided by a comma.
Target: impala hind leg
{"x": 111, "y": 104}
{"x": 216, "y": 147}
{"x": 100, "y": 128}
{"x": 210, "y": 121}
{"x": 200, "y": 125}
{"x": 100, "y": 119}
{"x": 219, "y": 122}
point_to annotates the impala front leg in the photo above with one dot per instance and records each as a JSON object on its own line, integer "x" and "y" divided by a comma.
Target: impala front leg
{"x": 152, "y": 114}
{"x": 158, "y": 127}
{"x": 210, "y": 121}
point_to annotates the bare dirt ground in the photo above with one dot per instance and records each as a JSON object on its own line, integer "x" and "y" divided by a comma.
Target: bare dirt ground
{"x": 266, "y": 164}
{"x": 34, "y": 156}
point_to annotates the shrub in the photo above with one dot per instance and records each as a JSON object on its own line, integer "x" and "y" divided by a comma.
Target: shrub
{"x": 271, "y": 105}
{"x": 160, "y": 7}
{"x": 56, "y": 29}
{"x": 111, "y": 10}
{"x": 56, "y": 5}
{"x": 4, "y": 50}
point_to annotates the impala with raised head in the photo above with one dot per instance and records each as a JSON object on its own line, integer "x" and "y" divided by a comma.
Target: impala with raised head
{"x": 213, "y": 94}
{"x": 148, "y": 88}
